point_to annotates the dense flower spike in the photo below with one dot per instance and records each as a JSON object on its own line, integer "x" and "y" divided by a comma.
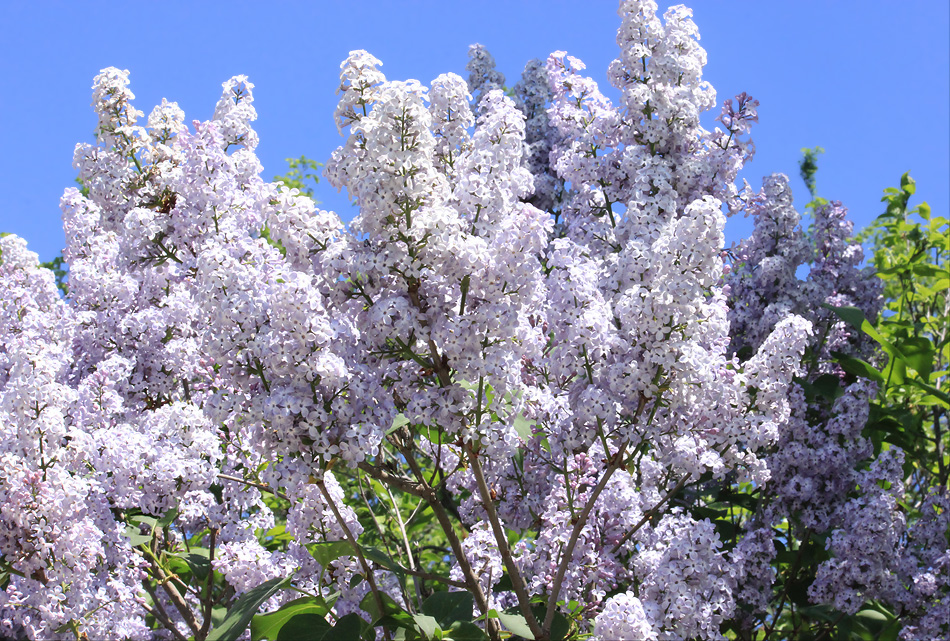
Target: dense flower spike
{"x": 522, "y": 379}
{"x": 63, "y": 552}
{"x": 482, "y": 75}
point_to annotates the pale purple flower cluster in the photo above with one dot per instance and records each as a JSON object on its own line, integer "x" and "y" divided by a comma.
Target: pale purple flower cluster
{"x": 865, "y": 551}
{"x": 763, "y": 281}
{"x": 530, "y": 304}
{"x": 66, "y": 556}
{"x": 483, "y": 77}
{"x": 623, "y": 617}
{"x": 532, "y": 95}
{"x": 192, "y": 347}
{"x": 924, "y": 570}
{"x": 838, "y": 278}
{"x": 637, "y": 354}
{"x": 826, "y": 476}
{"x": 685, "y": 579}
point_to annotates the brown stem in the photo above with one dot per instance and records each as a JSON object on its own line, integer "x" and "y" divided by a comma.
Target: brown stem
{"x": 353, "y": 543}
{"x": 208, "y": 601}
{"x": 261, "y": 486}
{"x": 649, "y": 514}
{"x": 396, "y": 481}
{"x": 444, "y": 373}
{"x": 829, "y": 629}
{"x": 160, "y": 615}
{"x": 385, "y": 540}
{"x": 781, "y": 603}
{"x": 514, "y": 573}
{"x": 436, "y": 577}
{"x": 615, "y": 462}
{"x": 175, "y": 597}
{"x": 938, "y": 439}
{"x": 405, "y": 541}
{"x": 471, "y": 581}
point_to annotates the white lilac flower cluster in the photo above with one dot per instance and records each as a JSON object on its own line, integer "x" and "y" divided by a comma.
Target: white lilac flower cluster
{"x": 59, "y": 541}
{"x": 530, "y": 304}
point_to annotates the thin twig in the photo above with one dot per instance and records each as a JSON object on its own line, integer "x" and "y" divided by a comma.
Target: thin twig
{"x": 405, "y": 541}
{"x": 159, "y": 613}
{"x": 514, "y": 572}
{"x": 320, "y": 483}
{"x": 436, "y": 577}
{"x": 208, "y": 601}
{"x": 615, "y": 462}
{"x": 649, "y": 514}
{"x": 261, "y": 486}
{"x": 471, "y": 581}
{"x": 387, "y": 478}
{"x": 833, "y": 625}
{"x": 385, "y": 540}
{"x": 175, "y": 597}
{"x": 791, "y": 578}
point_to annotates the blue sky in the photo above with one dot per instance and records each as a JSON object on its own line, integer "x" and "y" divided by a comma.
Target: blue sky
{"x": 867, "y": 80}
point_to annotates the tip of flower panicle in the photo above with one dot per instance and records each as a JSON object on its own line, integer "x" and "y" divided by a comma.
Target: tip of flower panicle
{"x": 108, "y": 82}
{"x": 361, "y": 59}
{"x": 113, "y": 72}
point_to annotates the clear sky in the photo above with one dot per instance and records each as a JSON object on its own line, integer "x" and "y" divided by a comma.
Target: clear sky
{"x": 868, "y": 80}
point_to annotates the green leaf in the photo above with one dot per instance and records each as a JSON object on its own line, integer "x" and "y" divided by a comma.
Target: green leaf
{"x": 304, "y": 626}
{"x": 383, "y": 559}
{"x": 928, "y": 271}
{"x": 325, "y": 552}
{"x": 218, "y": 613}
{"x": 348, "y": 628}
{"x": 244, "y": 609}
{"x": 710, "y": 513}
{"x": 895, "y": 373}
{"x": 857, "y": 367}
{"x": 398, "y": 422}
{"x": 268, "y": 626}
{"x": 390, "y": 607}
{"x": 449, "y": 607}
{"x": 276, "y": 537}
{"x": 560, "y": 627}
{"x": 890, "y": 430}
{"x": 167, "y": 519}
{"x": 199, "y": 563}
{"x": 918, "y": 353}
{"x": 881, "y": 623}
{"x": 466, "y": 631}
{"x": 942, "y": 398}
{"x": 428, "y": 626}
{"x": 855, "y": 317}
{"x": 135, "y": 538}
{"x": 516, "y": 623}
{"x": 524, "y": 428}
{"x": 726, "y": 529}
{"x": 908, "y": 185}
{"x": 872, "y": 615}
{"x": 828, "y": 386}
{"x": 142, "y": 519}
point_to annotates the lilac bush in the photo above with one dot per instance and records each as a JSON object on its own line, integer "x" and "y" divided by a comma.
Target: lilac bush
{"x": 528, "y": 352}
